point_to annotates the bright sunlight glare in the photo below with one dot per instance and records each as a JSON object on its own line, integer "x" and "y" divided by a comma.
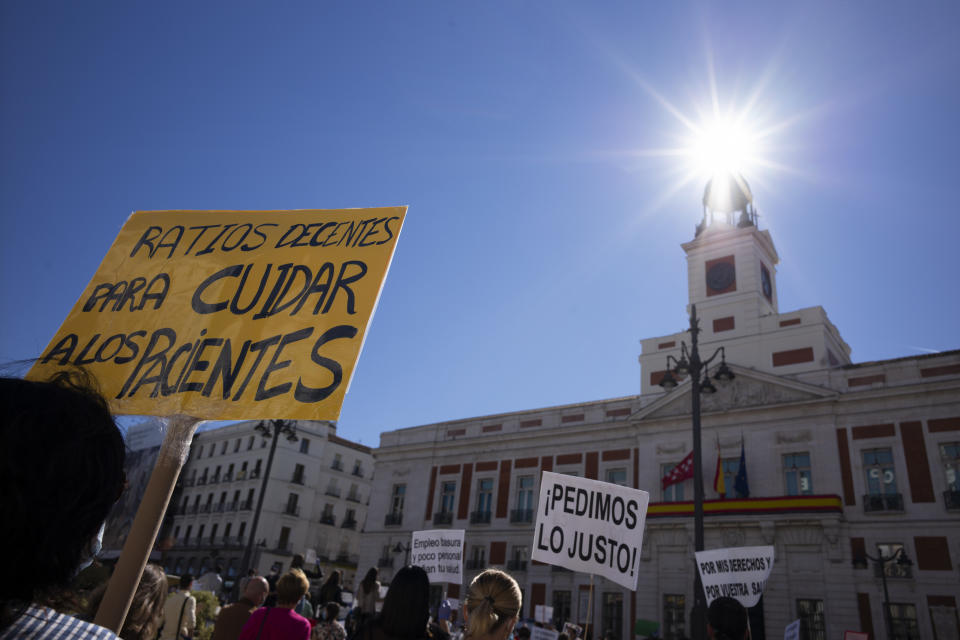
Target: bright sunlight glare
{"x": 722, "y": 146}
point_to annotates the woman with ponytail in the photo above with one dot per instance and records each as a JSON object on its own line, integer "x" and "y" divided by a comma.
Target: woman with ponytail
{"x": 727, "y": 620}
{"x": 492, "y": 606}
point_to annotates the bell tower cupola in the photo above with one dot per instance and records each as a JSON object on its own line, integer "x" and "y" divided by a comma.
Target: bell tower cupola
{"x": 731, "y": 262}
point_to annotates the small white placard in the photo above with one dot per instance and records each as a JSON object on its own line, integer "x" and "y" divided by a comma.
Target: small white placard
{"x": 737, "y": 572}
{"x": 440, "y": 553}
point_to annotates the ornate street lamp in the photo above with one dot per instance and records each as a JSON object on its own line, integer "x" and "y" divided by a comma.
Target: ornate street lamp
{"x": 273, "y": 430}
{"x": 880, "y": 562}
{"x": 403, "y": 548}
{"x": 691, "y": 364}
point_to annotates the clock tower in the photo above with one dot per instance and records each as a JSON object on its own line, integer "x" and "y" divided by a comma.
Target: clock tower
{"x": 732, "y": 280}
{"x": 731, "y": 263}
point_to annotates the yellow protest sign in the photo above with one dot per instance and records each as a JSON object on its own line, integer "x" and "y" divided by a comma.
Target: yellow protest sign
{"x": 230, "y": 314}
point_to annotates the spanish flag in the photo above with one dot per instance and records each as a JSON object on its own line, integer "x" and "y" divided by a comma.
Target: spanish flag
{"x": 718, "y": 484}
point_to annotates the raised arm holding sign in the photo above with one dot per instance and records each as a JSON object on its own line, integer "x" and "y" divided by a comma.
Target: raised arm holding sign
{"x": 222, "y": 315}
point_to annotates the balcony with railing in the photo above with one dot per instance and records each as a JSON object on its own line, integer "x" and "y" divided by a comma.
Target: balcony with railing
{"x": 228, "y": 477}
{"x": 215, "y": 479}
{"x": 246, "y": 505}
{"x": 190, "y": 482}
{"x": 476, "y": 563}
{"x": 255, "y": 474}
{"x": 393, "y": 519}
{"x": 328, "y": 518}
{"x": 517, "y": 565}
{"x": 291, "y": 510}
{"x": 205, "y": 508}
{"x": 333, "y": 491}
{"x": 220, "y": 507}
{"x": 349, "y": 524}
{"x": 231, "y": 506}
{"x": 480, "y": 517}
{"x": 951, "y": 499}
{"x": 883, "y": 502}
{"x": 283, "y": 547}
{"x": 242, "y": 475}
{"x": 443, "y": 517}
{"x": 353, "y": 497}
{"x": 358, "y": 472}
{"x": 192, "y": 509}
{"x": 297, "y": 478}
{"x": 336, "y": 466}
{"x": 201, "y": 480}
{"x": 521, "y": 515}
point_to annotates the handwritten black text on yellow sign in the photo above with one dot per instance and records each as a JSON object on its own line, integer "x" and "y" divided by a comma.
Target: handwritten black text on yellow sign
{"x": 230, "y": 314}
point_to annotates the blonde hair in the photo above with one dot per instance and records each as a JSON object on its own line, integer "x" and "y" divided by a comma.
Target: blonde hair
{"x": 493, "y": 599}
{"x": 291, "y": 586}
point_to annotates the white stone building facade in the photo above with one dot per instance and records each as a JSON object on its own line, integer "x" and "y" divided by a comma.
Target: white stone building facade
{"x": 316, "y": 500}
{"x": 842, "y": 460}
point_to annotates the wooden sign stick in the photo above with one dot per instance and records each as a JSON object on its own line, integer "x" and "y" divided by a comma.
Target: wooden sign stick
{"x": 146, "y": 524}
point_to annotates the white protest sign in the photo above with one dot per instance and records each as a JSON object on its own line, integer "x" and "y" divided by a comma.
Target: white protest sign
{"x": 572, "y": 630}
{"x": 440, "y": 553}
{"x": 590, "y": 526}
{"x": 542, "y": 613}
{"x": 538, "y": 633}
{"x": 792, "y": 632}
{"x": 454, "y": 603}
{"x": 738, "y": 572}
{"x": 310, "y": 557}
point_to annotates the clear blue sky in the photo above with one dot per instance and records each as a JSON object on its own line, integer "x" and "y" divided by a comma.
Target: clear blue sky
{"x": 542, "y": 239}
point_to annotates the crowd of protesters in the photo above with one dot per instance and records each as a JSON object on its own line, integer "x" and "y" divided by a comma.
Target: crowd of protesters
{"x": 61, "y": 461}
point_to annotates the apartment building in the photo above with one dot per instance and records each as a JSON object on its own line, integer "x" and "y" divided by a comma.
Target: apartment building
{"x": 315, "y": 500}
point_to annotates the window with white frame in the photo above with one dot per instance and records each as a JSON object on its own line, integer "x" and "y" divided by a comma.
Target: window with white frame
{"x": 950, "y": 458}
{"x": 796, "y": 474}
{"x": 617, "y": 476}
{"x": 484, "y": 495}
{"x": 396, "y": 501}
{"x": 448, "y": 490}
{"x": 880, "y": 473}
{"x": 673, "y": 492}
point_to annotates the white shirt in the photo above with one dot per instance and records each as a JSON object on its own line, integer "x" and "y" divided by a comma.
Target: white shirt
{"x": 171, "y": 614}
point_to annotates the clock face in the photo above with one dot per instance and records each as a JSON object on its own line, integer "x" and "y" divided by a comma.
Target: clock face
{"x": 765, "y": 281}
{"x": 720, "y": 276}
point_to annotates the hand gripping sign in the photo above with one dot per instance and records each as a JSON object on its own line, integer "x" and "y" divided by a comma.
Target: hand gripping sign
{"x": 738, "y": 572}
{"x": 440, "y": 553}
{"x": 590, "y": 526}
{"x": 230, "y": 314}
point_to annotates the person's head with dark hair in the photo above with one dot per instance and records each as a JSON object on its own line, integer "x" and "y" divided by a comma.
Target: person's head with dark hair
{"x": 406, "y": 608}
{"x": 727, "y": 620}
{"x": 370, "y": 580}
{"x": 297, "y": 561}
{"x": 146, "y": 610}
{"x": 186, "y": 581}
{"x": 218, "y": 568}
{"x": 333, "y": 610}
{"x": 492, "y": 606}
{"x": 61, "y": 461}
{"x": 523, "y": 632}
